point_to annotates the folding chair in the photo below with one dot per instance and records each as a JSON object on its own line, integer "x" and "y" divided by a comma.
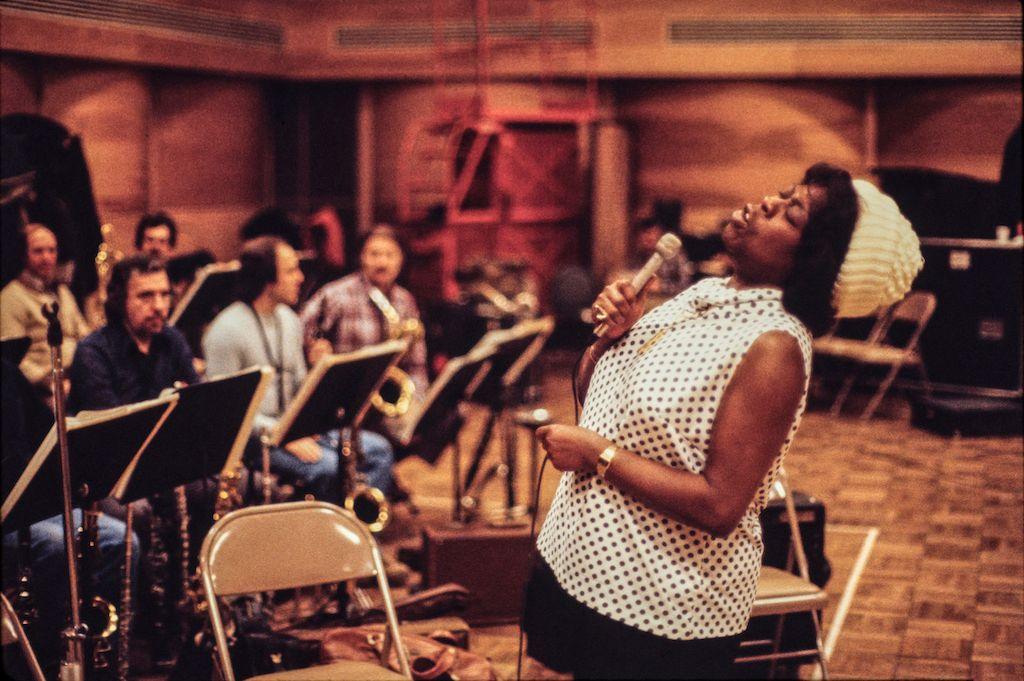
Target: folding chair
{"x": 13, "y": 633}
{"x": 880, "y": 349}
{"x": 284, "y": 546}
{"x": 780, "y": 593}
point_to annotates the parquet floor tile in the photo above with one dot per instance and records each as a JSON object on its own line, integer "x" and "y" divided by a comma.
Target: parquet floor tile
{"x": 991, "y": 671}
{"x": 918, "y": 668}
{"x": 941, "y": 594}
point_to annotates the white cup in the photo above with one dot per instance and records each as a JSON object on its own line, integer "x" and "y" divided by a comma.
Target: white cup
{"x": 1002, "y": 233}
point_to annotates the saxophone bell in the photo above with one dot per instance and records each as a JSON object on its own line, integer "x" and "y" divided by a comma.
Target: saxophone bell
{"x": 368, "y": 503}
{"x": 395, "y": 396}
{"x": 370, "y": 506}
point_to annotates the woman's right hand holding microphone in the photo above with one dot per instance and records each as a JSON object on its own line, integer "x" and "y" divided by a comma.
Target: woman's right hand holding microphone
{"x": 618, "y": 307}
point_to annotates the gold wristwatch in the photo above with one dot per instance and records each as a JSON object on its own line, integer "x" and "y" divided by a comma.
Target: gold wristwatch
{"x": 604, "y": 460}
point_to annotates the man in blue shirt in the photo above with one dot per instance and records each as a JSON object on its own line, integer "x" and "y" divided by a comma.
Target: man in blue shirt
{"x": 133, "y": 358}
{"x": 136, "y": 355}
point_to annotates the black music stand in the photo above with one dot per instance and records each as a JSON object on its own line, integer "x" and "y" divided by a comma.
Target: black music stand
{"x": 460, "y": 377}
{"x": 211, "y": 291}
{"x": 433, "y": 424}
{"x": 335, "y": 394}
{"x": 513, "y": 351}
{"x": 191, "y": 445}
{"x": 104, "y": 447}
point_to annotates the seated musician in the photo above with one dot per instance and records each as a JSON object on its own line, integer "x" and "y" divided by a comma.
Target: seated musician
{"x": 343, "y": 316}
{"x": 25, "y": 422}
{"x": 353, "y": 312}
{"x": 21, "y": 303}
{"x": 156, "y": 235}
{"x": 262, "y": 329}
{"x": 134, "y": 357}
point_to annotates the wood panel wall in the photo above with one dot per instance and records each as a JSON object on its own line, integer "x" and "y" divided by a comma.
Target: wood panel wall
{"x": 956, "y": 126}
{"x": 630, "y": 40}
{"x": 397, "y": 106}
{"x": 193, "y": 145}
{"x": 718, "y": 145}
{"x": 198, "y": 145}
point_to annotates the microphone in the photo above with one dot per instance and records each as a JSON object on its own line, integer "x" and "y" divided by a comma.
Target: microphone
{"x": 667, "y": 248}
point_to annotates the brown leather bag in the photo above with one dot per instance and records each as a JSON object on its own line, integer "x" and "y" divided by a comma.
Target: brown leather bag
{"x": 432, "y": 657}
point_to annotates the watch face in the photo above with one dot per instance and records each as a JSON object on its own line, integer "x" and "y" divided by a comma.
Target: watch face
{"x": 604, "y": 460}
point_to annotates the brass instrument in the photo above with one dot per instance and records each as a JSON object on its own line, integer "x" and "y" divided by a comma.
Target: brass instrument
{"x": 99, "y": 615}
{"x": 229, "y": 495}
{"x": 106, "y": 256}
{"x": 398, "y": 328}
{"x": 368, "y": 504}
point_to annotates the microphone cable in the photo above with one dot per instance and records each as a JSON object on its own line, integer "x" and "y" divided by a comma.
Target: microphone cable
{"x": 536, "y": 501}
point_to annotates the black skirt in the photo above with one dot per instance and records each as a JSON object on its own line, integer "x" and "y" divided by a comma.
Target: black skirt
{"x": 567, "y": 636}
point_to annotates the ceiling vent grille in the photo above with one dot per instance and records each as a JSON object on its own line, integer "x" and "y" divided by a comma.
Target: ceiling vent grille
{"x": 193, "y": 22}
{"x": 573, "y": 33}
{"x": 896, "y": 28}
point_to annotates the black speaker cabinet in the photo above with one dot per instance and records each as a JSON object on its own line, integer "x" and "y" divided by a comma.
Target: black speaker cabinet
{"x": 493, "y": 563}
{"x": 972, "y": 344}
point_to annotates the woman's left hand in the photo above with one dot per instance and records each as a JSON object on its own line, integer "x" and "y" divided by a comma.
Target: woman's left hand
{"x": 571, "y": 448}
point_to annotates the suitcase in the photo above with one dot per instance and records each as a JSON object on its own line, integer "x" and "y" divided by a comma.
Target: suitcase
{"x": 493, "y": 563}
{"x": 810, "y": 513}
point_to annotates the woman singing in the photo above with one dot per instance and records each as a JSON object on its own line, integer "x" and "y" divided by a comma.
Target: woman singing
{"x": 649, "y": 556}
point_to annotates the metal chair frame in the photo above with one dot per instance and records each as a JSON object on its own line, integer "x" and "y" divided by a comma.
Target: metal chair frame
{"x": 783, "y": 605}
{"x": 916, "y": 308}
{"x": 14, "y": 633}
{"x": 263, "y": 540}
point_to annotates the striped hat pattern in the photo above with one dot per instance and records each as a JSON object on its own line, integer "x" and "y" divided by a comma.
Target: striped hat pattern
{"x": 883, "y": 258}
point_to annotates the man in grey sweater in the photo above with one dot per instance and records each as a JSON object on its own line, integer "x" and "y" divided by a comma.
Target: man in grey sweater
{"x": 262, "y": 329}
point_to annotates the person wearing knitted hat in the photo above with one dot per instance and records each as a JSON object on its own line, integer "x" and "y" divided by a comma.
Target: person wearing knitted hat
{"x": 649, "y": 555}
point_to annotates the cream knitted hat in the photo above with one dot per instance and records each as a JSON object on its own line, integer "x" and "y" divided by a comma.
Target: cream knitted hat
{"x": 883, "y": 258}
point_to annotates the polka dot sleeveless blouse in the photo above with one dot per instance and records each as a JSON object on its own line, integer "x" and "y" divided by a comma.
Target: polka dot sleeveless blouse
{"x": 656, "y": 393}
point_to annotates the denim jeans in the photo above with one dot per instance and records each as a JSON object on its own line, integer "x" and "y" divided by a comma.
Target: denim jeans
{"x": 50, "y": 574}
{"x": 322, "y": 478}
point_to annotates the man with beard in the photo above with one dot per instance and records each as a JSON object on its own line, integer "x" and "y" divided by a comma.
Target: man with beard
{"x": 133, "y": 358}
{"x": 136, "y": 355}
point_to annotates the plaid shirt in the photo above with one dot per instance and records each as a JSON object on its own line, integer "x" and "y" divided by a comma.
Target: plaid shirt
{"x": 343, "y": 313}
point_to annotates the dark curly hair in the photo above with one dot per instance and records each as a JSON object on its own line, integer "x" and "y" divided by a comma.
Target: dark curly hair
{"x": 158, "y": 219}
{"x": 117, "y": 287}
{"x": 807, "y": 292}
{"x": 259, "y": 266}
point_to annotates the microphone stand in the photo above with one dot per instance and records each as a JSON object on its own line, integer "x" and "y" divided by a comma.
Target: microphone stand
{"x": 72, "y": 666}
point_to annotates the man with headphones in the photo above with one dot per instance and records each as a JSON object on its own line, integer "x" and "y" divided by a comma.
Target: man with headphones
{"x": 262, "y": 329}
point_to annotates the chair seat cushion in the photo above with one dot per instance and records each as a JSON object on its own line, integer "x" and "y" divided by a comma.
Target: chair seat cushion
{"x": 779, "y": 592}
{"x": 863, "y": 351}
{"x": 344, "y": 670}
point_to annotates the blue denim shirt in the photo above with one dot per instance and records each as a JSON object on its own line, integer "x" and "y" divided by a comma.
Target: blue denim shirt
{"x": 109, "y": 370}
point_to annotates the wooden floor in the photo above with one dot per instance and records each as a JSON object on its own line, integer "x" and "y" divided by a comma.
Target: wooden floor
{"x": 925, "y": 535}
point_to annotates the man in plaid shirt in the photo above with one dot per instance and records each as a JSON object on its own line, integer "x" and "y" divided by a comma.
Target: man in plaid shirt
{"x": 340, "y": 317}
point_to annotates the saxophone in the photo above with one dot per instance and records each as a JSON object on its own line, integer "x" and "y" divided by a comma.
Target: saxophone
{"x": 99, "y": 615}
{"x": 106, "y": 256}
{"x": 398, "y": 328}
{"x": 367, "y": 503}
